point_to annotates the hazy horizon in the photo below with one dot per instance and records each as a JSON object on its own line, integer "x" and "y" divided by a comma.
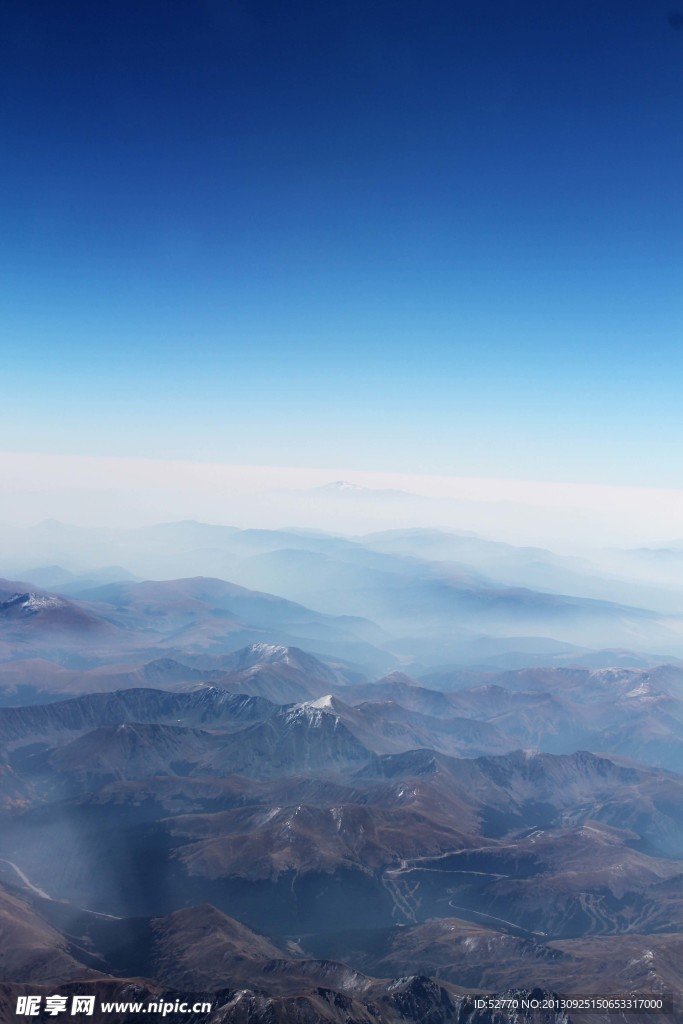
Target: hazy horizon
{"x": 109, "y": 492}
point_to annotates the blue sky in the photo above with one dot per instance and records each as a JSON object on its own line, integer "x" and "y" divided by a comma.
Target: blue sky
{"x": 442, "y": 237}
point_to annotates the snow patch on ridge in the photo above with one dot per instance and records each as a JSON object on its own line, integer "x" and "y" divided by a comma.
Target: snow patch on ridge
{"x": 32, "y": 602}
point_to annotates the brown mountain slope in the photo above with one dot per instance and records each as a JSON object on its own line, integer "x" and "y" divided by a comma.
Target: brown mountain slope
{"x": 31, "y": 950}
{"x": 202, "y": 949}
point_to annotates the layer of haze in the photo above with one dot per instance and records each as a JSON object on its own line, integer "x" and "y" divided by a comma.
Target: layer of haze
{"x": 88, "y": 491}
{"x": 428, "y": 239}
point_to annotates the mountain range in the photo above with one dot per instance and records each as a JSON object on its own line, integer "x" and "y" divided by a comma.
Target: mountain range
{"x": 431, "y": 595}
{"x": 320, "y": 812}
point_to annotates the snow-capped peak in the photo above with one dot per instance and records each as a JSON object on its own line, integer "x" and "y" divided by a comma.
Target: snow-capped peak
{"x": 32, "y": 602}
{"x": 314, "y": 712}
{"x": 325, "y": 703}
{"x": 341, "y": 485}
{"x": 345, "y": 485}
{"x": 269, "y": 650}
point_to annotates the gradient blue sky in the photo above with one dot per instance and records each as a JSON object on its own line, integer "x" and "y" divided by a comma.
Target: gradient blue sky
{"x": 437, "y": 236}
